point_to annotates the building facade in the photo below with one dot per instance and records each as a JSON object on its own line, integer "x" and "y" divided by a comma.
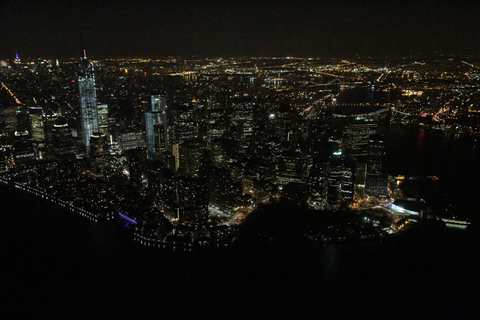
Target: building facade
{"x": 156, "y": 130}
{"x": 88, "y": 100}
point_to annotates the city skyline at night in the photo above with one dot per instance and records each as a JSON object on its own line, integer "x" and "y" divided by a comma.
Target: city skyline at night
{"x": 241, "y": 160}
{"x": 241, "y": 133}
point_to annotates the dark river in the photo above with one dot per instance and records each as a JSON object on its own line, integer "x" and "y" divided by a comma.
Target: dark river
{"x": 453, "y": 158}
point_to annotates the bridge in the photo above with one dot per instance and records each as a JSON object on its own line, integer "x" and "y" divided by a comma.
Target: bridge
{"x": 312, "y": 84}
{"x": 183, "y": 73}
{"x": 320, "y": 102}
{"x": 362, "y": 109}
{"x": 367, "y": 112}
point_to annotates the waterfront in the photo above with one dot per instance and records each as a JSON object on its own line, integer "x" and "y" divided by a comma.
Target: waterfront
{"x": 453, "y": 158}
{"x": 58, "y": 264}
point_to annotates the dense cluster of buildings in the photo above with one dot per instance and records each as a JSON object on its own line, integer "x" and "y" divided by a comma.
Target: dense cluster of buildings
{"x": 197, "y": 149}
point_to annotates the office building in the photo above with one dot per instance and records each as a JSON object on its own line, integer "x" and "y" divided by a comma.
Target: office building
{"x": 129, "y": 140}
{"x": 62, "y": 139}
{"x": 103, "y": 119}
{"x": 192, "y": 199}
{"x": 376, "y": 181}
{"x": 23, "y": 151}
{"x": 156, "y": 129}
{"x": 318, "y": 182}
{"x": 37, "y": 125}
{"x": 292, "y": 167}
{"x": 355, "y": 143}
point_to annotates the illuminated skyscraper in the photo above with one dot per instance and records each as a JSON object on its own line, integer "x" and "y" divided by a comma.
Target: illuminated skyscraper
{"x": 88, "y": 99}
{"x": 318, "y": 182}
{"x": 99, "y": 153}
{"x": 243, "y": 120}
{"x": 192, "y": 157}
{"x": 292, "y": 167}
{"x": 356, "y": 145}
{"x": 37, "y": 125}
{"x": 176, "y": 155}
{"x": 62, "y": 140}
{"x": 376, "y": 182}
{"x": 192, "y": 199}
{"x": 103, "y": 119}
{"x": 23, "y": 150}
{"x": 156, "y": 129}
{"x": 184, "y": 124}
{"x": 216, "y": 126}
{"x": 130, "y": 139}
{"x": 8, "y": 124}
{"x": 335, "y": 177}
{"x": 356, "y": 138}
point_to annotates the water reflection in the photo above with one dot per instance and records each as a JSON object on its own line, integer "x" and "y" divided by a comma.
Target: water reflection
{"x": 452, "y": 158}
{"x": 362, "y": 95}
{"x": 331, "y": 265}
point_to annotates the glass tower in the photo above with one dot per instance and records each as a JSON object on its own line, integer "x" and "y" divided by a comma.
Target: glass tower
{"x": 156, "y": 126}
{"x": 88, "y": 99}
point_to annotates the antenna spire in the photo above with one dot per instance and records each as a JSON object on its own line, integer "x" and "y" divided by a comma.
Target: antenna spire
{"x": 82, "y": 38}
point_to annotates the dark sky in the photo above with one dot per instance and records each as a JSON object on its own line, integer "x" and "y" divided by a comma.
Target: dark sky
{"x": 53, "y": 29}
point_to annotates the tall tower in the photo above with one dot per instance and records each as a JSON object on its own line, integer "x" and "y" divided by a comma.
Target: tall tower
{"x": 62, "y": 140}
{"x": 88, "y": 99}
{"x": 376, "y": 181}
{"x": 356, "y": 145}
{"x": 37, "y": 125}
{"x": 156, "y": 129}
{"x": 17, "y": 58}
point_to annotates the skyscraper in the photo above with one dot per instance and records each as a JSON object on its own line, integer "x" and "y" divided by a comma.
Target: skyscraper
{"x": 184, "y": 124}
{"x": 318, "y": 182}
{"x": 377, "y": 181}
{"x": 23, "y": 150}
{"x": 99, "y": 154}
{"x": 192, "y": 199}
{"x": 292, "y": 167}
{"x": 37, "y": 125}
{"x": 103, "y": 119}
{"x": 356, "y": 138}
{"x": 192, "y": 157}
{"x": 88, "y": 99}
{"x": 156, "y": 129}
{"x": 356, "y": 145}
{"x": 335, "y": 177}
{"x": 62, "y": 140}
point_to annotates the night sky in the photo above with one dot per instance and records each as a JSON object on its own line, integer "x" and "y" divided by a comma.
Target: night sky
{"x": 53, "y": 29}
